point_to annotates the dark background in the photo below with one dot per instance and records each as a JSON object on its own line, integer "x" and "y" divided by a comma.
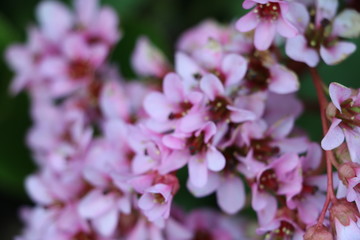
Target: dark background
{"x": 162, "y": 21}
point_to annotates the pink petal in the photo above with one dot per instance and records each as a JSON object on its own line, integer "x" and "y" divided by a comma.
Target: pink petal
{"x": 186, "y": 67}
{"x": 173, "y": 142}
{"x": 157, "y": 106}
{"x": 95, "y": 203}
{"x": 282, "y": 127}
{"x": 98, "y": 54}
{"x": 247, "y": 22}
{"x": 86, "y": 11}
{"x": 198, "y": 173}
{"x": 283, "y": 80}
{"x": 38, "y": 190}
{"x": 209, "y": 129}
{"x": 241, "y": 115}
{"x": 173, "y": 88}
{"x": 146, "y": 201}
{"x": 285, "y": 28}
{"x": 173, "y": 162}
{"x": 141, "y": 164}
{"x": 325, "y": 9}
{"x": 313, "y": 157}
{"x": 106, "y": 224}
{"x": 235, "y": 67}
{"x": 192, "y": 122}
{"x": 211, "y": 185}
{"x": 75, "y": 47}
{"x": 352, "y": 137}
{"x": 231, "y": 195}
{"x": 337, "y": 53}
{"x": 247, "y": 4}
{"x": 297, "y": 49}
{"x": 215, "y": 159}
{"x": 55, "y": 19}
{"x": 334, "y": 137}
{"x": 264, "y": 35}
{"x": 211, "y": 86}
{"x": 175, "y": 229}
{"x": 163, "y": 189}
{"x": 351, "y": 231}
{"x": 338, "y": 94}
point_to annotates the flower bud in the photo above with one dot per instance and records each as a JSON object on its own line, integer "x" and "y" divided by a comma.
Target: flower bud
{"x": 347, "y": 171}
{"x": 318, "y": 233}
{"x": 342, "y": 153}
{"x": 331, "y": 111}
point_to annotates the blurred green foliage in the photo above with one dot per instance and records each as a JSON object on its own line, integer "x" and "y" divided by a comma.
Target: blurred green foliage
{"x": 162, "y": 21}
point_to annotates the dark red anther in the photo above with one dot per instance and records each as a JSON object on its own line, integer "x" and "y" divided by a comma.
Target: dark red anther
{"x": 268, "y": 181}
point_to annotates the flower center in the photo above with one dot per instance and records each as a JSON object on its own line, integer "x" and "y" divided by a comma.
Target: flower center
{"x": 320, "y": 35}
{"x": 357, "y": 188}
{"x": 349, "y": 114}
{"x": 159, "y": 198}
{"x": 196, "y": 144}
{"x": 268, "y": 11}
{"x": 84, "y": 236}
{"x": 79, "y": 69}
{"x": 184, "y": 108}
{"x": 231, "y": 155}
{"x": 268, "y": 181}
{"x": 284, "y": 232}
{"x": 202, "y": 234}
{"x": 262, "y": 149}
{"x": 258, "y": 75}
{"x": 218, "y": 109}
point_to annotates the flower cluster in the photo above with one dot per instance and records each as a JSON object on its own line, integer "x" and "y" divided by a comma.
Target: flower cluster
{"x": 109, "y": 151}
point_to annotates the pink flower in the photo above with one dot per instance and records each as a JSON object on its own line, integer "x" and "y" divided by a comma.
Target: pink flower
{"x": 98, "y": 24}
{"x": 282, "y": 228}
{"x": 54, "y": 30}
{"x": 345, "y": 218}
{"x": 267, "y": 18}
{"x": 309, "y": 201}
{"x": 269, "y": 75}
{"x": 157, "y": 194}
{"x": 75, "y": 68}
{"x": 174, "y": 103}
{"x": 208, "y": 224}
{"x": 324, "y": 35}
{"x": 280, "y": 177}
{"x": 156, "y": 202}
{"x": 349, "y": 173}
{"x": 345, "y": 120}
{"x": 147, "y": 60}
{"x": 230, "y": 191}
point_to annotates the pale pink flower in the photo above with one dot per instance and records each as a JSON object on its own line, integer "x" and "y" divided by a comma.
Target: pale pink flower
{"x": 280, "y": 177}
{"x": 324, "y": 36}
{"x": 349, "y": 173}
{"x": 345, "y": 120}
{"x": 309, "y": 202}
{"x": 345, "y": 218}
{"x": 147, "y": 60}
{"x": 282, "y": 228}
{"x": 97, "y": 24}
{"x": 267, "y": 18}
{"x": 75, "y": 68}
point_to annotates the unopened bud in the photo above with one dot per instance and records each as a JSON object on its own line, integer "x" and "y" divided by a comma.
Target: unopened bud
{"x": 331, "y": 111}
{"x": 347, "y": 171}
{"x": 342, "y": 153}
{"x": 318, "y": 232}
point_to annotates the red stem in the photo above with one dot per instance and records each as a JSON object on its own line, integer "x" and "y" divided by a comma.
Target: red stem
{"x": 323, "y": 102}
